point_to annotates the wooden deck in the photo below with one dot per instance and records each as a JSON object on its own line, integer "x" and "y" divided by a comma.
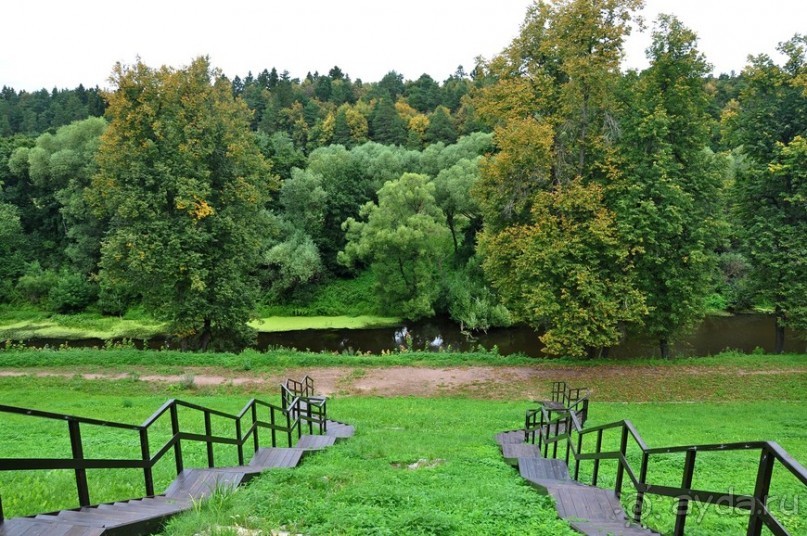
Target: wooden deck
{"x": 589, "y": 510}
{"x": 148, "y": 515}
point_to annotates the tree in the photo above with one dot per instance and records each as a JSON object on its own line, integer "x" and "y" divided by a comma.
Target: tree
{"x": 770, "y": 125}
{"x": 551, "y": 243}
{"x": 57, "y": 171}
{"x": 184, "y": 185}
{"x": 387, "y": 126}
{"x": 671, "y": 186}
{"x": 12, "y": 262}
{"x": 423, "y": 94}
{"x": 405, "y": 241}
{"x": 441, "y": 127}
{"x": 453, "y": 188}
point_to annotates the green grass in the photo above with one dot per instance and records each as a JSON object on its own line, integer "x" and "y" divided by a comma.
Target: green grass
{"x": 362, "y": 486}
{"x": 295, "y": 323}
{"x": 460, "y": 485}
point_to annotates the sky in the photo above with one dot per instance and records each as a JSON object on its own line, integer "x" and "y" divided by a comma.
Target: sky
{"x": 55, "y": 43}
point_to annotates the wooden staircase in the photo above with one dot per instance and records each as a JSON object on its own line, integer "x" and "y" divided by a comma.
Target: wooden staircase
{"x": 589, "y": 510}
{"x": 149, "y": 514}
{"x": 556, "y": 428}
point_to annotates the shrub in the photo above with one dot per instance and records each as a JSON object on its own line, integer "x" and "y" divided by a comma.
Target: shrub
{"x": 71, "y": 293}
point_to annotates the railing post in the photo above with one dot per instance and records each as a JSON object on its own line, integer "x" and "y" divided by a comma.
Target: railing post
{"x": 598, "y": 450}
{"x": 272, "y": 422}
{"x": 78, "y": 454}
{"x": 288, "y": 426}
{"x": 240, "y": 442}
{"x": 148, "y": 476}
{"x": 568, "y": 436}
{"x": 308, "y": 416}
{"x": 255, "y": 442}
{"x": 683, "y": 502}
{"x": 177, "y": 440}
{"x": 211, "y": 462}
{"x": 576, "y": 457}
{"x": 761, "y": 489}
{"x": 637, "y": 508}
{"x": 2, "y": 516}
{"x": 620, "y": 471}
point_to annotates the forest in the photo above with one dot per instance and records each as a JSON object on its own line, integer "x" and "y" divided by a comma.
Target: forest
{"x": 546, "y": 186}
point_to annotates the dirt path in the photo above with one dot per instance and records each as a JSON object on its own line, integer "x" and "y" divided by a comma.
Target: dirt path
{"x": 613, "y": 382}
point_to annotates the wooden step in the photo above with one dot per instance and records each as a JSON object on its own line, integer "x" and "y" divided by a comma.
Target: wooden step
{"x": 509, "y": 437}
{"x": 266, "y": 458}
{"x": 27, "y": 526}
{"x": 315, "y": 442}
{"x": 339, "y": 430}
{"x": 599, "y": 528}
{"x": 198, "y": 484}
{"x": 513, "y": 451}
{"x": 542, "y": 472}
{"x": 586, "y": 503}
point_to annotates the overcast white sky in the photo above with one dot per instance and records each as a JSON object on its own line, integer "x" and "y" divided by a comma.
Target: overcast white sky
{"x": 58, "y": 43}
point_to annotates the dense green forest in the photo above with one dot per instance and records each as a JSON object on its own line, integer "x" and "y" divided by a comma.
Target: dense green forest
{"x": 547, "y": 186}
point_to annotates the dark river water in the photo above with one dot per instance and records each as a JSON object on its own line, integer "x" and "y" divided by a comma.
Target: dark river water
{"x": 715, "y": 334}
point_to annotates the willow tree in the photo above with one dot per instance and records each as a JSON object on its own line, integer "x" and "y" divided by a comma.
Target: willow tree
{"x": 670, "y": 195}
{"x": 184, "y": 185}
{"x": 551, "y": 243}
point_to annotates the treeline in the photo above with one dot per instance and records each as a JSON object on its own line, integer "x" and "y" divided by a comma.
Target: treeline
{"x": 550, "y": 188}
{"x": 319, "y": 110}
{"x": 32, "y": 113}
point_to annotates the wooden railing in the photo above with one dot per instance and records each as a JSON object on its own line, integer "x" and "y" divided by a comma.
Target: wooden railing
{"x": 286, "y": 419}
{"x": 565, "y": 425}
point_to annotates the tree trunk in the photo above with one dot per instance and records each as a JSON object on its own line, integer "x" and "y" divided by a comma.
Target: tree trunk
{"x": 664, "y": 347}
{"x": 780, "y": 332}
{"x": 206, "y": 335}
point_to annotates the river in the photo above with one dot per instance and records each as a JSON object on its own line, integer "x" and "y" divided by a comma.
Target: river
{"x": 744, "y": 332}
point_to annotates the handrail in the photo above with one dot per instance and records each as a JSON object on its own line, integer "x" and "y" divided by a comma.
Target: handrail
{"x": 756, "y": 504}
{"x": 286, "y": 419}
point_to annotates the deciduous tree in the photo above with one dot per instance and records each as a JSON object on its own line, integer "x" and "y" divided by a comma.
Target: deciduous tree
{"x": 405, "y": 241}
{"x": 184, "y": 185}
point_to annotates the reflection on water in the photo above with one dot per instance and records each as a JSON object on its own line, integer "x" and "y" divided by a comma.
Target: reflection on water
{"x": 715, "y": 334}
